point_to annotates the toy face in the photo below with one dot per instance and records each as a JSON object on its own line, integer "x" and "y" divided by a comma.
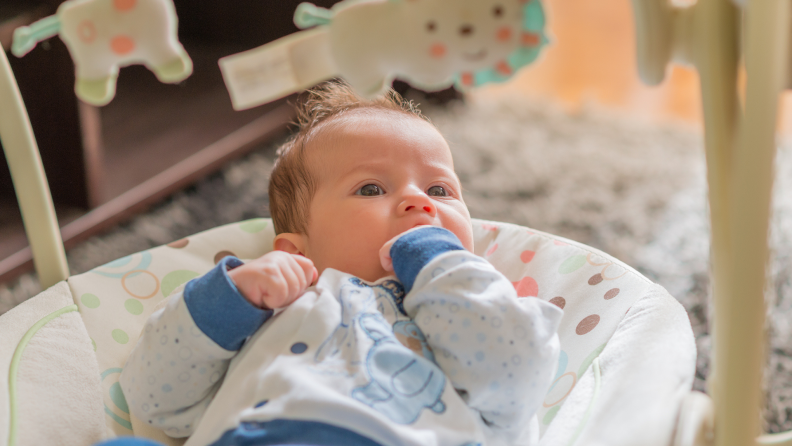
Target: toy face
{"x": 460, "y": 35}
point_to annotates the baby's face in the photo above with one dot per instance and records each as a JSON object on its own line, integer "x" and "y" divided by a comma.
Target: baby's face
{"x": 378, "y": 176}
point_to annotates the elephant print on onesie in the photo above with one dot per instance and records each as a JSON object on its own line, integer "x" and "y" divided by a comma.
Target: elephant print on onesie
{"x": 104, "y": 35}
{"x": 402, "y": 384}
{"x": 390, "y": 303}
{"x": 339, "y": 353}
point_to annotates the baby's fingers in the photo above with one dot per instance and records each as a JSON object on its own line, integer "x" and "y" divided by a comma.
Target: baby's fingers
{"x": 295, "y": 283}
{"x": 307, "y": 268}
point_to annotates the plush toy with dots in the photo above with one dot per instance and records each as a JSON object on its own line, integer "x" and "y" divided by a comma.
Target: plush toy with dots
{"x": 432, "y": 44}
{"x": 103, "y": 35}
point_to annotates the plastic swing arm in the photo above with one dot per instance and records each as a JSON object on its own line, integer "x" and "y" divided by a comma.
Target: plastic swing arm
{"x": 30, "y": 183}
{"x": 27, "y": 37}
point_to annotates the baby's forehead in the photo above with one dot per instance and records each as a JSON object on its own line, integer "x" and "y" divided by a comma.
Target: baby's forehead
{"x": 363, "y": 135}
{"x": 377, "y": 146}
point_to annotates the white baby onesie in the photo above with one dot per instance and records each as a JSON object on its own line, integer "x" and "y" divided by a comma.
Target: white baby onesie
{"x": 449, "y": 355}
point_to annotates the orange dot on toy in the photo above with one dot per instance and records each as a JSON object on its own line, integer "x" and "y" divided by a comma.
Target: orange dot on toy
{"x": 504, "y": 34}
{"x": 530, "y": 39}
{"x": 122, "y": 45}
{"x": 467, "y": 79}
{"x": 438, "y": 50}
{"x": 504, "y": 68}
{"x": 87, "y": 31}
{"x": 124, "y": 5}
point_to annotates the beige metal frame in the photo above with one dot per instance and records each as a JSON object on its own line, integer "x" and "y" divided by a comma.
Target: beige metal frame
{"x": 740, "y": 151}
{"x": 30, "y": 183}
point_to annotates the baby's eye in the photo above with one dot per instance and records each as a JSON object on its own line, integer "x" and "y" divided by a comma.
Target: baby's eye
{"x": 437, "y": 191}
{"x": 370, "y": 190}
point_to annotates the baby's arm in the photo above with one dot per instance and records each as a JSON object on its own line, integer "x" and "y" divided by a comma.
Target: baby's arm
{"x": 498, "y": 350}
{"x": 185, "y": 348}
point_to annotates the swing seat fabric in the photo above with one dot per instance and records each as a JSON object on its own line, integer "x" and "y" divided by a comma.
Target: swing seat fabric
{"x": 627, "y": 357}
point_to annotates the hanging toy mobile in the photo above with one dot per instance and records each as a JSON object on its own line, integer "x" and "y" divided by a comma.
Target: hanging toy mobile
{"x": 103, "y": 35}
{"x": 432, "y": 44}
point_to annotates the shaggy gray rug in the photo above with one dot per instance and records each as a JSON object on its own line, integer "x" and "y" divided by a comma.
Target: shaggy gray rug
{"x": 632, "y": 189}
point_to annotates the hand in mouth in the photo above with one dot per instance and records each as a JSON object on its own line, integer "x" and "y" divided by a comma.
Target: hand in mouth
{"x": 475, "y": 56}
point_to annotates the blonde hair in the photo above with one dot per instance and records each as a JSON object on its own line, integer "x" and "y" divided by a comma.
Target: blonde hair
{"x": 292, "y": 184}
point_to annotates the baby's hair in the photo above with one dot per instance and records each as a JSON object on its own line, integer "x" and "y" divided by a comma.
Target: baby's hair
{"x": 292, "y": 184}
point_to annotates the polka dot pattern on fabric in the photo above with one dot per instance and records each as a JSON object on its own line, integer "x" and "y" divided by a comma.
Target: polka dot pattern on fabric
{"x": 587, "y": 324}
{"x": 613, "y": 292}
{"x": 120, "y": 336}
{"x": 299, "y": 348}
{"x": 176, "y": 279}
{"x": 572, "y": 264}
{"x": 526, "y": 287}
{"x": 558, "y": 301}
{"x": 595, "y": 279}
{"x": 254, "y": 226}
{"x": 90, "y": 300}
{"x": 527, "y": 256}
{"x": 222, "y": 254}
{"x": 550, "y": 415}
{"x": 179, "y": 244}
{"x": 134, "y": 307}
{"x": 492, "y": 250}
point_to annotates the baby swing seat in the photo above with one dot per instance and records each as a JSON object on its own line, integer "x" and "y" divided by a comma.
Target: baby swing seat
{"x": 627, "y": 361}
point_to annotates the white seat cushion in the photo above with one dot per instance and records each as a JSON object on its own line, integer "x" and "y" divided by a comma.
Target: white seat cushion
{"x": 594, "y": 289}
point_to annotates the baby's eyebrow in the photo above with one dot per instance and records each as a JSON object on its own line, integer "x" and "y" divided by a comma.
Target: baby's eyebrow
{"x": 368, "y": 166}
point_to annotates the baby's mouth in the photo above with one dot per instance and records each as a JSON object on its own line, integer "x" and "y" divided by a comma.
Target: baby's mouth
{"x": 478, "y": 55}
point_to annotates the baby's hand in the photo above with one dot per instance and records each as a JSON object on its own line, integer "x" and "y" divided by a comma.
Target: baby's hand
{"x": 274, "y": 280}
{"x": 384, "y": 254}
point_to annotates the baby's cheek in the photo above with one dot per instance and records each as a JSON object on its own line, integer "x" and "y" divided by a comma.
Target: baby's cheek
{"x": 438, "y": 51}
{"x": 504, "y": 34}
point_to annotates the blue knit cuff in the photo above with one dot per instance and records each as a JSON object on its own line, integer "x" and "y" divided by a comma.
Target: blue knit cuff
{"x": 218, "y": 308}
{"x": 415, "y": 250}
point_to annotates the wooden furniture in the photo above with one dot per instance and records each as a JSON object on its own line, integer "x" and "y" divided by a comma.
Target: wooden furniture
{"x": 107, "y": 164}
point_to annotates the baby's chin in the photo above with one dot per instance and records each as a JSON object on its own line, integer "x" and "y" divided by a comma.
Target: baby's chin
{"x": 368, "y": 274}
{"x": 373, "y": 276}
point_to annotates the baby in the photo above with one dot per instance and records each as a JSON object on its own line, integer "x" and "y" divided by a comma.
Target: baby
{"x": 317, "y": 343}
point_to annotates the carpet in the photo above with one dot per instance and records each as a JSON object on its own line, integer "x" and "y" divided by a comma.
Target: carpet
{"x": 633, "y": 189}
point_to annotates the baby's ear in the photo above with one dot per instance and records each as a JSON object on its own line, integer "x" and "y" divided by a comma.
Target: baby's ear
{"x": 290, "y": 242}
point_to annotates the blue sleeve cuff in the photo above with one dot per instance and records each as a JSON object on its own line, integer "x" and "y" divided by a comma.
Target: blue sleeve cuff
{"x": 415, "y": 250}
{"x": 218, "y": 308}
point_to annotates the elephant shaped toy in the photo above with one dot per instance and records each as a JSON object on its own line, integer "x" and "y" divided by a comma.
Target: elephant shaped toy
{"x": 103, "y": 35}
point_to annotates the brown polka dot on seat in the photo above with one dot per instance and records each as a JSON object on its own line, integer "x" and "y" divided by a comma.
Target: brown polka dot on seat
{"x": 179, "y": 244}
{"x": 595, "y": 279}
{"x": 219, "y": 256}
{"x": 587, "y": 324}
{"x": 613, "y": 292}
{"x": 558, "y": 301}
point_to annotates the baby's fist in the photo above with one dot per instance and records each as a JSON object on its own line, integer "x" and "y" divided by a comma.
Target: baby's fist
{"x": 274, "y": 280}
{"x": 384, "y": 253}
